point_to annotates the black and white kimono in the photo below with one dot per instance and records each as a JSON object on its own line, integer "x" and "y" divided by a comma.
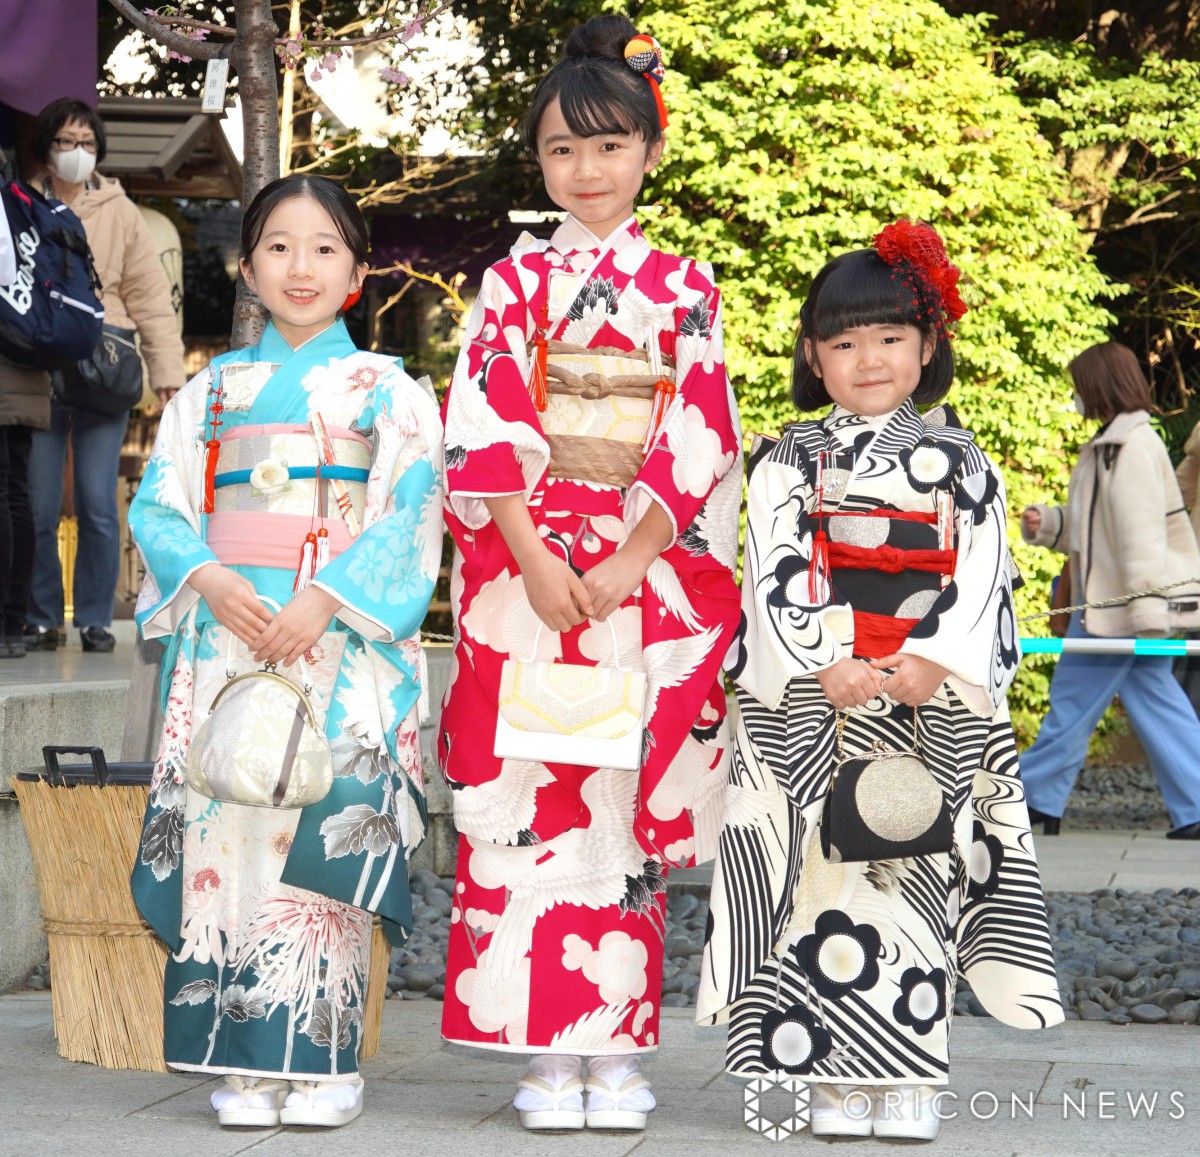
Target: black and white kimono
{"x": 845, "y": 973}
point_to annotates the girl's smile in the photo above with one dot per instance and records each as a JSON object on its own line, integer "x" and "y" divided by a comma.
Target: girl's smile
{"x": 302, "y": 269}
{"x": 596, "y": 179}
{"x": 870, "y": 369}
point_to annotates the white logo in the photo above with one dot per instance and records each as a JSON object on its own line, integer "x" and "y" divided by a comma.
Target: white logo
{"x": 20, "y": 294}
{"x": 793, "y": 1122}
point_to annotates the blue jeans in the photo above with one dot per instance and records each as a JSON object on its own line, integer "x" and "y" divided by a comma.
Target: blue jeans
{"x": 1158, "y": 708}
{"x": 97, "y": 445}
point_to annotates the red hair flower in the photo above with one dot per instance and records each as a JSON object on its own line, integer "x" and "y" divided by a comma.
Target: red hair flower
{"x": 920, "y": 246}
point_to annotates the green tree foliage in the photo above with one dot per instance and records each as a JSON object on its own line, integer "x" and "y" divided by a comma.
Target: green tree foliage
{"x": 800, "y": 130}
{"x": 1128, "y": 134}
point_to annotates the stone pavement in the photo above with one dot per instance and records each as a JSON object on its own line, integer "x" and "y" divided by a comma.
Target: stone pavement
{"x": 1011, "y": 1088}
{"x": 424, "y": 1097}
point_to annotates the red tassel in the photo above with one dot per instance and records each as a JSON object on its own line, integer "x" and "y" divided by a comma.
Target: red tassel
{"x": 664, "y": 395}
{"x": 539, "y": 388}
{"x": 212, "y": 451}
{"x": 322, "y": 550}
{"x": 658, "y": 100}
{"x": 308, "y": 555}
{"x": 818, "y": 569}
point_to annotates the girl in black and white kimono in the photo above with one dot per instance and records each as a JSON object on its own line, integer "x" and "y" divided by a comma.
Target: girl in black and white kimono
{"x": 877, "y": 583}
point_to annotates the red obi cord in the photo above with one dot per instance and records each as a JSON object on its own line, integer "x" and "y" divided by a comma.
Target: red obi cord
{"x": 878, "y": 635}
{"x": 889, "y": 559}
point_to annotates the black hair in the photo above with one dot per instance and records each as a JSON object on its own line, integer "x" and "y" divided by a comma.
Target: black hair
{"x": 860, "y": 288}
{"x": 57, "y": 113}
{"x": 328, "y": 194}
{"x": 599, "y": 94}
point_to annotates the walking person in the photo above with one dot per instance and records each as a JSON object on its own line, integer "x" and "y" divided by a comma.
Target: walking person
{"x": 593, "y": 482}
{"x": 877, "y": 616}
{"x": 1125, "y": 529}
{"x": 303, "y": 475}
{"x": 69, "y": 141}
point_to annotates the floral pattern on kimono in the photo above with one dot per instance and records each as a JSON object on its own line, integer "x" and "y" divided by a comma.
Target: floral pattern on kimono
{"x": 557, "y": 930}
{"x": 268, "y": 913}
{"x": 845, "y": 972}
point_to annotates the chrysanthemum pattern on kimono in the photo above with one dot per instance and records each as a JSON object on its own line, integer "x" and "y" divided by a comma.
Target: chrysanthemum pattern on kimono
{"x": 269, "y": 913}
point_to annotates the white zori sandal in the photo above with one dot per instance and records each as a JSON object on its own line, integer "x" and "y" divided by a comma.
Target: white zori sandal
{"x": 250, "y": 1102}
{"x": 619, "y": 1097}
{"x": 550, "y": 1095}
{"x": 328, "y": 1104}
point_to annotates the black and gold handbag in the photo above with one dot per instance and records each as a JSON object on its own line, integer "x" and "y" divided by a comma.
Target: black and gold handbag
{"x": 883, "y": 805}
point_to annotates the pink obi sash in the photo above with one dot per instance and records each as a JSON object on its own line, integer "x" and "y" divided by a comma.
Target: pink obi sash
{"x": 247, "y": 528}
{"x": 338, "y": 433}
{"x": 245, "y": 538}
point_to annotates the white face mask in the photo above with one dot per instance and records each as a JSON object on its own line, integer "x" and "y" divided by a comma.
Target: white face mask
{"x": 1080, "y": 407}
{"x": 74, "y": 166}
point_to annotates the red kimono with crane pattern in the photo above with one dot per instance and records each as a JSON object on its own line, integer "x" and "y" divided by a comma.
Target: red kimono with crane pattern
{"x": 556, "y": 939}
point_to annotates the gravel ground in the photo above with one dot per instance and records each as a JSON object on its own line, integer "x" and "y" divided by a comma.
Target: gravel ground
{"x": 1116, "y": 797}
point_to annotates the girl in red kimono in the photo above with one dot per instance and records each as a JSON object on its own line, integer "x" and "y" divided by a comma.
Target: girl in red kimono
{"x": 593, "y": 485}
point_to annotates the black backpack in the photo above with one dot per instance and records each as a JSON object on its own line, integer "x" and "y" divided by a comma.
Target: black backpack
{"x": 50, "y": 316}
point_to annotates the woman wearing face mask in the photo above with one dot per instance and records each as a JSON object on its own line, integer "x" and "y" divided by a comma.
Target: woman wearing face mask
{"x": 69, "y": 142}
{"x": 1126, "y": 529}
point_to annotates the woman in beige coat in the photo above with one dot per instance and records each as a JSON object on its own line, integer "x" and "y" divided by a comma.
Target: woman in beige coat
{"x": 1126, "y": 529}
{"x": 69, "y": 141}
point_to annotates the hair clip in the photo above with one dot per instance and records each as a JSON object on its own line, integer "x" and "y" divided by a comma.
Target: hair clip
{"x": 644, "y": 54}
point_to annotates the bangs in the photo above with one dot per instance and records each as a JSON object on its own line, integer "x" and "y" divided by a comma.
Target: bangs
{"x": 861, "y": 289}
{"x": 591, "y": 112}
{"x": 860, "y": 292}
{"x": 597, "y": 97}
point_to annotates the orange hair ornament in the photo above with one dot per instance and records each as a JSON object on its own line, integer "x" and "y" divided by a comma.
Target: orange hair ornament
{"x": 644, "y": 54}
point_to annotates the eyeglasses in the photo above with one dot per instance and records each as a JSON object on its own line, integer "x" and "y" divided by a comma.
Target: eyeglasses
{"x": 65, "y": 144}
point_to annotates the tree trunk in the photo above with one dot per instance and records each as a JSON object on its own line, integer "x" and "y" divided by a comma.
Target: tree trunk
{"x": 258, "y": 87}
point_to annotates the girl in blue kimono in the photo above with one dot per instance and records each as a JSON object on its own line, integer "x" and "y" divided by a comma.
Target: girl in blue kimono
{"x": 291, "y": 508}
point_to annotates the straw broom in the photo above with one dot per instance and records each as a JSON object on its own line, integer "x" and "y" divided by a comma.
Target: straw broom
{"x": 106, "y": 963}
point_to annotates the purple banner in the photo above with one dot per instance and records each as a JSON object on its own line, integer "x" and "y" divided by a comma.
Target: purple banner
{"x": 48, "y": 49}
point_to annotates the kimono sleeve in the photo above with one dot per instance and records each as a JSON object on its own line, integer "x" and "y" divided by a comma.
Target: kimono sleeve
{"x": 971, "y": 629}
{"x": 385, "y": 579}
{"x": 493, "y": 446}
{"x": 786, "y": 633}
{"x": 165, "y": 513}
{"x": 701, "y": 439}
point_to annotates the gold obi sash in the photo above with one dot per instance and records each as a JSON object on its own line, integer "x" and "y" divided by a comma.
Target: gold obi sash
{"x": 251, "y": 528}
{"x": 599, "y": 410}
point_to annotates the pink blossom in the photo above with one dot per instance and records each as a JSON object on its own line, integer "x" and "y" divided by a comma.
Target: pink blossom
{"x": 394, "y": 76}
{"x": 411, "y": 29}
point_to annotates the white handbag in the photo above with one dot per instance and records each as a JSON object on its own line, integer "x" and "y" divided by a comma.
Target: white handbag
{"x": 569, "y": 713}
{"x": 261, "y": 744}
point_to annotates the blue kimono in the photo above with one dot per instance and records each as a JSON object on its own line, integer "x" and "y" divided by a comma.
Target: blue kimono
{"x": 267, "y": 912}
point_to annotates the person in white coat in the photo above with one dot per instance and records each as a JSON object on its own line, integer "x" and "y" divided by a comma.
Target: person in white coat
{"x": 1125, "y": 529}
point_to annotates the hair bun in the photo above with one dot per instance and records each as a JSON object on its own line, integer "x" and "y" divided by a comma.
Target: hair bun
{"x": 602, "y": 36}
